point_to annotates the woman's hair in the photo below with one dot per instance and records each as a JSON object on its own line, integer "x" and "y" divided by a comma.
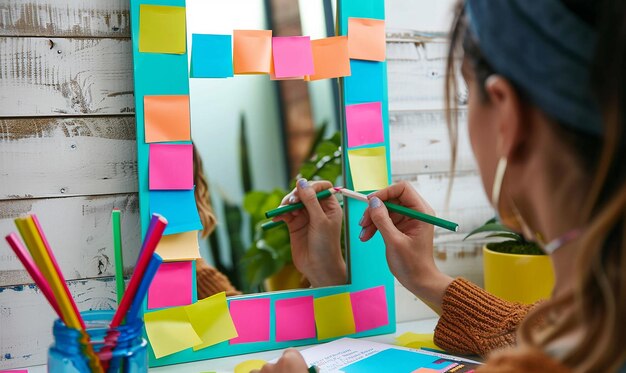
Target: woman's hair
{"x": 203, "y": 199}
{"x": 599, "y": 294}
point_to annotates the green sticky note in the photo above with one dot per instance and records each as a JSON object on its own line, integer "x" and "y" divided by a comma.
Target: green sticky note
{"x": 170, "y": 331}
{"x": 211, "y": 320}
{"x": 368, "y": 167}
{"x": 333, "y": 316}
{"x": 162, "y": 29}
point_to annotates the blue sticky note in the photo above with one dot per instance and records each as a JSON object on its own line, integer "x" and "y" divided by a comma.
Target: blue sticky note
{"x": 178, "y": 207}
{"x": 402, "y": 360}
{"x": 360, "y": 9}
{"x": 211, "y": 56}
{"x": 366, "y": 84}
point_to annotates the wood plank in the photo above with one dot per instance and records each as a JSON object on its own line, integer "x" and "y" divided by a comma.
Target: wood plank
{"x": 57, "y": 77}
{"x": 51, "y": 157}
{"x": 84, "y": 18}
{"x": 26, "y": 318}
{"x": 420, "y": 144}
{"x": 79, "y": 230}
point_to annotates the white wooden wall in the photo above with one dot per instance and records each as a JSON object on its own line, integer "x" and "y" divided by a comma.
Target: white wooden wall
{"x": 67, "y": 150}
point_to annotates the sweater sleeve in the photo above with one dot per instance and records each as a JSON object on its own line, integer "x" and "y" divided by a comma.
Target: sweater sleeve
{"x": 210, "y": 281}
{"x": 476, "y": 322}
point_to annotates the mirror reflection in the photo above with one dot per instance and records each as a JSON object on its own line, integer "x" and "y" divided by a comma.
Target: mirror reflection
{"x": 253, "y": 139}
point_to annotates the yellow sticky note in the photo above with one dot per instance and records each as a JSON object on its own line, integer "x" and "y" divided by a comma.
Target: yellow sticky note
{"x": 248, "y": 365}
{"x": 416, "y": 341}
{"x": 162, "y": 29}
{"x": 368, "y": 167}
{"x": 211, "y": 320}
{"x": 170, "y": 331}
{"x": 333, "y": 316}
{"x": 178, "y": 247}
{"x": 366, "y": 39}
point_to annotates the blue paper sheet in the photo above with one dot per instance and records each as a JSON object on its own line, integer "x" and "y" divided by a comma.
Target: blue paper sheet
{"x": 211, "y": 56}
{"x": 178, "y": 207}
{"x": 366, "y": 84}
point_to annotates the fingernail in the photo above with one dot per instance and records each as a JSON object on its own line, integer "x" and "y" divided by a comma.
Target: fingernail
{"x": 292, "y": 199}
{"x": 375, "y": 202}
{"x": 362, "y": 234}
{"x": 361, "y": 221}
{"x": 302, "y": 183}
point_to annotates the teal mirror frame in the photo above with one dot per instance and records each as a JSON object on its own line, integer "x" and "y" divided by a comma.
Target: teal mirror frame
{"x": 366, "y": 260}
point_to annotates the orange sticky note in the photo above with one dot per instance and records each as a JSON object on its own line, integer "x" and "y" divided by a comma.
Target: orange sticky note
{"x": 330, "y": 58}
{"x": 252, "y": 51}
{"x": 166, "y": 118}
{"x": 366, "y": 39}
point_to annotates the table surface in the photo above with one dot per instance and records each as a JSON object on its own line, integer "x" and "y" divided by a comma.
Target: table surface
{"x": 227, "y": 364}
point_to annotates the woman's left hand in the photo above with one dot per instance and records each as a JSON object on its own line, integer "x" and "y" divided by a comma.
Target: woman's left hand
{"x": 291, "y": 362}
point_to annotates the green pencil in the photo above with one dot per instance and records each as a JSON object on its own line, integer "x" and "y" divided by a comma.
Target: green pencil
{"x": 413, "y": 214}
{"x": 117, "y": 245}
{"x": 297, "y": 206}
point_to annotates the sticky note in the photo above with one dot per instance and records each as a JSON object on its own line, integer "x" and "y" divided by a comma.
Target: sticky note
{"x": 171, "y": 286}
{"x": 295, "y": 319}
{"x": 211, "y": 56}
{"x": 211, "y": 320}
{"x": 365, "y": 83}
{"x": 252, "y": 51}
{"x": 333, "y": 316}
{"x": 170, "y": 166}
{"x": 364, "y": 124}
{"x": 252, "y": 320}
{"x": 330, "y": 58}
{"x": 178, "y": 207}
{"x": 180, "y": 246}
{"x": 368, "y": 168}
{"x": 170, "y": 331}
{"x": 293, "y": 56}
{"x": 249, "y": 365}
{"x": 162, "y": 29}
{"x": 369, "y": 308}
{"x": 366, "y": 39}
{"x": 166, "y": 118}
{"x": 416, "y": 340}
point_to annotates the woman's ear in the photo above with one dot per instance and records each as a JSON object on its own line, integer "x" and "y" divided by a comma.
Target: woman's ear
{"x": 507, "y": 112}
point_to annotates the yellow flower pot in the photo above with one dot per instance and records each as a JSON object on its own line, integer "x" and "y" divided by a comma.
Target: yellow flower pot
{"x": 518, "y": 278}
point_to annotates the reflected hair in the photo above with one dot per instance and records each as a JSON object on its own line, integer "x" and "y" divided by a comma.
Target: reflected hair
{"x": 203, "y": 198}
{"x": 598, "y": 298}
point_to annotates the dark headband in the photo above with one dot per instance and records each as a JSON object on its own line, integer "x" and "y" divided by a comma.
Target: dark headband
{"x": 542, "y": 47}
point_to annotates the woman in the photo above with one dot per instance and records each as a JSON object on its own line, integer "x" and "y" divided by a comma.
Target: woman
{"x": 550, "y": 147}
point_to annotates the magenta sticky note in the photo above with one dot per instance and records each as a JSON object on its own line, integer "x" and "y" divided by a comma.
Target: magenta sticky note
{"x": 295, "y": 319}
{"x": 171, "y": 286}
{"x": 369, "y": 308}
{"x": 293, "y": 56}
{"x": 252, "y": 320}
{"x": 171, "y": 167}
{"x": 364, "y": 124}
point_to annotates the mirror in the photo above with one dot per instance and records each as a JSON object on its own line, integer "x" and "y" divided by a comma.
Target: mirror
{"x": 254, "y": 136}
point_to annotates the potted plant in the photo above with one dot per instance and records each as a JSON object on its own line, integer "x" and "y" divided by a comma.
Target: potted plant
{"x": 514, "y": 268}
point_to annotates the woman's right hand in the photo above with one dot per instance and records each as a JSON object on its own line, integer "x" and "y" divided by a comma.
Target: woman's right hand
{"x": 409, "y": 242}
{"x": 315, "y": 234}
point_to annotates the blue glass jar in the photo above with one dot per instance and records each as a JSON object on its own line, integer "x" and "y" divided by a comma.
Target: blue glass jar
{"x": 119, "y": 349}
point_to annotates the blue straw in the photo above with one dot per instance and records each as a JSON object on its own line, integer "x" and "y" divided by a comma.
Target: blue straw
{"x": 153, "y": 221}
{"x": 142, "y": 290}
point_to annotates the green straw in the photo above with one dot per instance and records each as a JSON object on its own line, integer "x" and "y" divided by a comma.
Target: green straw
{"x": 414, "y": 214}
{"x": 296, "y": 206}
{"x": 119, "y": 261}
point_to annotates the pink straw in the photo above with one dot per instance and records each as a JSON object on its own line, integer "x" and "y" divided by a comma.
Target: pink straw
{"x": 33, "y": 271}
{"x": 152, "y": 240}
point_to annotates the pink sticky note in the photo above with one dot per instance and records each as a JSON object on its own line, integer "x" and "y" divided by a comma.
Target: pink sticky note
{"x": 252, "y": 320}
{"x": 369, "y": 308}
{"x": 171, "y": 286}
{"x": 295, "y": 319}
{"x": 364, "y": 124}
{"x": 293, "y": 56}
{"x": 171, "y": 167}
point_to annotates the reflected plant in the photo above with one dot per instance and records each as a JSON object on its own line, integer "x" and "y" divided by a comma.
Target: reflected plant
{"x": 270, "y": 250}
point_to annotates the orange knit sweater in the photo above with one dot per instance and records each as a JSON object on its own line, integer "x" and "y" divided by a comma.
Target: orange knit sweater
{"x": 476, "y": 322}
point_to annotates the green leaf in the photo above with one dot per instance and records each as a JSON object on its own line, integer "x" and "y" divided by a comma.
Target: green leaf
{"x": 253, "y": 200}
{"x": 512, "y": 236}
{"x": 489, "y": 227}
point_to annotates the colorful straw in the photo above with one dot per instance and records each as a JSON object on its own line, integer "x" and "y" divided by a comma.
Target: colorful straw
{"x": 33, "y": 271}
{"x": 117, "y": 246}
{"x": 142, "y": 291}
{"x": 151, "y": 242}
